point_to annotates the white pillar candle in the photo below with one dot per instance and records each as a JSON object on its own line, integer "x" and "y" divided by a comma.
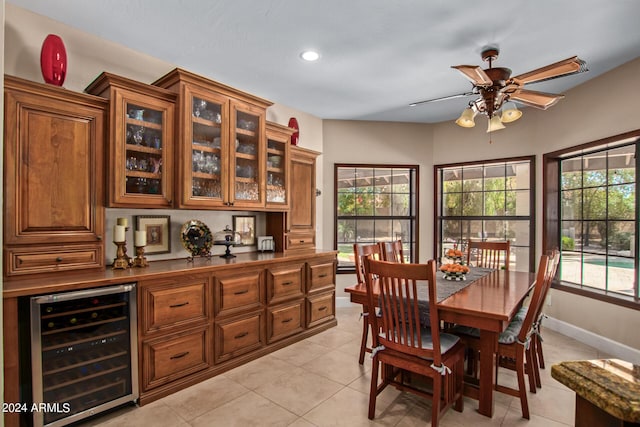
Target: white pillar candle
{"x": 123, "y": 221}
{"x": 140, "y": 238}
{"x": 119, "y": 233}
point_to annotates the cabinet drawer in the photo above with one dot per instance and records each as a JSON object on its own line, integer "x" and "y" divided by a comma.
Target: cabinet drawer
{"x": 236, "y": 292}
{"x": 321, "y": 276}
{"x": 285, "y": 283}
{"x": 168, "y": 358}
{"x": 174, "y": 303}
{"x": 320, "y": 309}
{"x": 301, "y": 241}
{"x": 43, "y": 260}
{"x": 238, "y": 336}
{"x": 284, "y": 321}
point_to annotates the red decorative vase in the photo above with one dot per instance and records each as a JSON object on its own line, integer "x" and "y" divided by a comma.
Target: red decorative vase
{"x": 293, "y": 123}
{"x": 53, "y": 60}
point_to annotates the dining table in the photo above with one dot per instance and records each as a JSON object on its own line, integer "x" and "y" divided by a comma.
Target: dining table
{"x": 487, "y": 300}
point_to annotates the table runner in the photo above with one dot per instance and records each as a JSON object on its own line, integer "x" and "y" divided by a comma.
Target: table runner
{"x": 445, "y": 288}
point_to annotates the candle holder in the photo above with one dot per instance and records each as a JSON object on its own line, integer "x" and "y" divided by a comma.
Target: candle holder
{"x": 122, "y": 261}
{"x": 140, "y": 260}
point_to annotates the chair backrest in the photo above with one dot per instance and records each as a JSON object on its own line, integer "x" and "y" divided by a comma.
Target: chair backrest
{"x": 361, "y": 251}
{"x": 552, "y": 267}
{"x": 397, "y": 285}
{"x": 489, "y": 254}
{"x": 392, "y": 251}
{"x": 546, "y": 271}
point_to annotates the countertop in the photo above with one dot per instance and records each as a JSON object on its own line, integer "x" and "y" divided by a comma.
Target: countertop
{"x": 610, "y": 384}
{"x": 59, "y": 282}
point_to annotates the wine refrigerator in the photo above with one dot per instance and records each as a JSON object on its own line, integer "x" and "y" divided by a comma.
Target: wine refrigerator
{"x": 83, "y": 353}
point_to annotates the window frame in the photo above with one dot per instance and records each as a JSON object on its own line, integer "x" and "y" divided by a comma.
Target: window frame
{"x": 413, "y": 218}
{"x": 437, "y": 200}
{"x": 552, "y": 223}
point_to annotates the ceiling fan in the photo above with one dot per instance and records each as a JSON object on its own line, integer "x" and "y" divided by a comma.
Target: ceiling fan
{"x": 496, "y": 88}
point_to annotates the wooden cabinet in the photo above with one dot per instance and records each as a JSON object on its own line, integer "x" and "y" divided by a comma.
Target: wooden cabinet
{"x": 175, "y": 332}
{"x": 221, "y": 143}
{"x": 140, "y": 163}
{"x": 296, "y": 228}
{"x": 277, "y": 186}
{"x": 238, "y": 335}
{"x": 53, "y": 179}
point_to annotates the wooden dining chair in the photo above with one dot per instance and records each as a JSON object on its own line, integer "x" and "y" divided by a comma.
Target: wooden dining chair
{"x": 361, "y": 251}
{"x": 514, "y": 344}
{"x": 488, "y": 254}
{"x": 404, "y": 345}
{"x": 392, "y": 251}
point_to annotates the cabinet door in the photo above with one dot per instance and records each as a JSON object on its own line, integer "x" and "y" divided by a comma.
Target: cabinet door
{"x": 302, "y": 216}
{"x": 141, "y": 160}
{"x": 204, "y": 149}
{"x": 277, "y": 186}
{"x": 53, "y": 166}
{"x": 247, "y": 165}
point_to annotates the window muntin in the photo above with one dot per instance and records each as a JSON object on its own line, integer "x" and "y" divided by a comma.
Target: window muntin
{"x": 489, "y": 201}
{"x": 375, "y": 203}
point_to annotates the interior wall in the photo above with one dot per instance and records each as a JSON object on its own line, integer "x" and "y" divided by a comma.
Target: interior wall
{"x": 381, "y": 143}
{"x": 602, "y": 107}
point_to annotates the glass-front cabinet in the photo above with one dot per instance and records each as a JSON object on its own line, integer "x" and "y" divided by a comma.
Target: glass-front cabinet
{"x": 277, "y": 165}
{"x": 222, "y": 143}
{"x": 140, "y": 172}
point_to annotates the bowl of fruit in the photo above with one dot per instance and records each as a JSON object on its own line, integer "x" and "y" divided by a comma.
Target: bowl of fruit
{"x": 454, "y": 254}
{"x": 454, "y": 271}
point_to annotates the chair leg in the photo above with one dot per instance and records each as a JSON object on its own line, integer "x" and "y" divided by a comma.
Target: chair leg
{"x": 521, "y": 384}
{"x": 365, "y": 335}
{"x": 435, "y": 405}
{"x": 373, "y": 390}
{"x": 534, "y": 362}
{"x": 539, "y": 351}
{"x": 459, "y": 385}
{"x": 530, "y": 368}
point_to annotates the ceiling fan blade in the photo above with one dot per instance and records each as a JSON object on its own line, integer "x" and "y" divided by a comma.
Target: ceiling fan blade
{"x": 443, "y": 98}
{"x": 475, "y": 74}
{"x": 563, "y": 68}
{"x": 536, "y": 99}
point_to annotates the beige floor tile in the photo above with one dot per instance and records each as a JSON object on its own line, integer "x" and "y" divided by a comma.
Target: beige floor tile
{"x": 299, "y": 393}
{"x": 337, "y": 366}
{"x": 154, "y": 414}
{"x": 334, "y": 338}
{"x": 300, "y": 353}
{"x": 250, "y": 409}
{"x": 261, "y": 371}
{"x": 203, "y": 397}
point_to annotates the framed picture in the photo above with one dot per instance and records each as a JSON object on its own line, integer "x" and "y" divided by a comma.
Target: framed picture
{"x": 158, "y": 229}
{"x": 245, "y": 225}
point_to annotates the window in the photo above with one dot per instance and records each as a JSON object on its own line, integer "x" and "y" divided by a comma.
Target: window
{"x": 491, "y": 201}
{"x": 375, "y": 203}
{"x": 594, "y": 187}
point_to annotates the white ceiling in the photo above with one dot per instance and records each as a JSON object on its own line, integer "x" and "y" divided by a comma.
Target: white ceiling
{"x": 377, "y": 56}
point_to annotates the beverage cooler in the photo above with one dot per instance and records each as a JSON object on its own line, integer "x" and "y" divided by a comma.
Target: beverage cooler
{"x": 83, "y": 353}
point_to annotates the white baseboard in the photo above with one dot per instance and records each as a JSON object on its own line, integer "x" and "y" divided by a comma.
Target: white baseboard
{"x": 604, "y": 344}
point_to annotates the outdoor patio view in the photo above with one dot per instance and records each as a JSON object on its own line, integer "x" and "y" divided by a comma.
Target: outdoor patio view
{"x": 598, "y": 202}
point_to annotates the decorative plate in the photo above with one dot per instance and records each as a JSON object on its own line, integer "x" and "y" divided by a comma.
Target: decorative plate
{"x": 196, "y": 238}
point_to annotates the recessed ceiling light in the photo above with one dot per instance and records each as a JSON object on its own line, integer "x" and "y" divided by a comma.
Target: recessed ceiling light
{"x": 310, "y": 55}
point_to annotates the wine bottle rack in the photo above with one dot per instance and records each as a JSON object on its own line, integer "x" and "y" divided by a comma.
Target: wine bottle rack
{"x": 84, "y": 353}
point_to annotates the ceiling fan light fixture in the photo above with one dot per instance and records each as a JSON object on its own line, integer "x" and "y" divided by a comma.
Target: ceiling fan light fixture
{"x": 510, "y": 113}
{"x": 494, "y": 124}
{"x": 466, "y": 119}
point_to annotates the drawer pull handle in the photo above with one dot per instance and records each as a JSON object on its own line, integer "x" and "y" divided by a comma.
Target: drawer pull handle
{"x": 246, "y": 291}
{"x": 179, "y": 305}
{"x": 323, "y": 275}
{"x": 287, "y": 320}
{"x": 301, "y": 241}
{"x": 59, "y": 259}
{"x": 323, "y": 308}
{"x": 242, "y": 335}
{"x": 179, "y": 355}
{"x": 287, "y": 283}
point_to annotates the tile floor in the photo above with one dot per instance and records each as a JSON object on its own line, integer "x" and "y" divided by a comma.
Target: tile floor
{"x": 318, "y": 382}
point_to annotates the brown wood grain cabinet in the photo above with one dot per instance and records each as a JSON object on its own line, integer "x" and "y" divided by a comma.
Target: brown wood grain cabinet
{"x": 301, "y": 218}
{"x": 277, "y": 184}
{"x": 53, "y": 179}
{"x": 221, "y": 143}
{"x": 140, "y": 161}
